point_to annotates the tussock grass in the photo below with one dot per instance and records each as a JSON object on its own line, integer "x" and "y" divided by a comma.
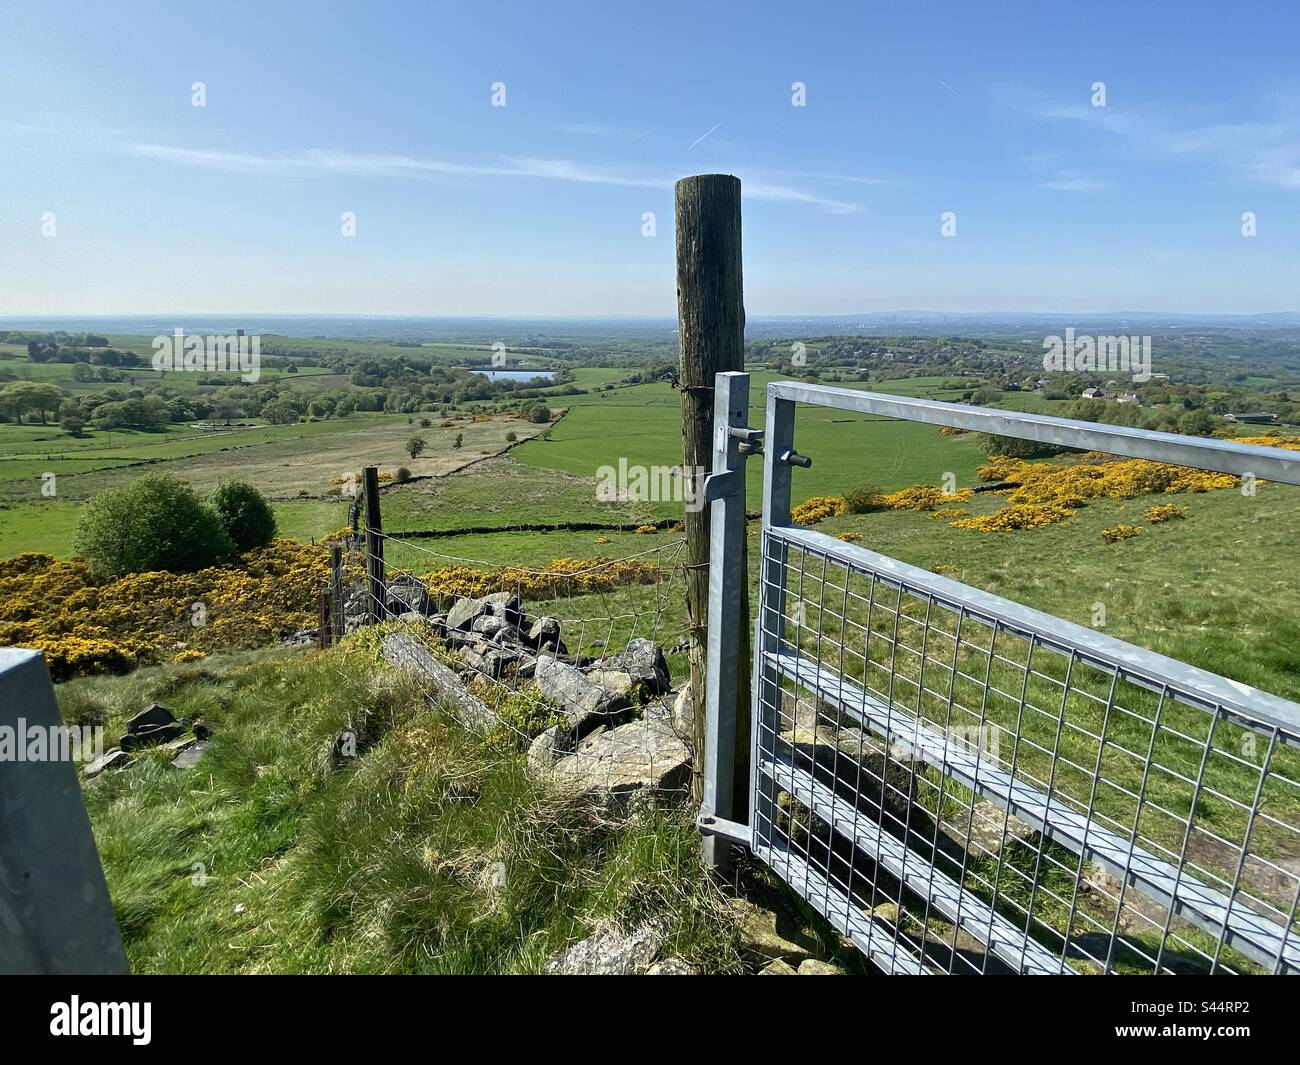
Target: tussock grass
{"x": 429, "y": 851}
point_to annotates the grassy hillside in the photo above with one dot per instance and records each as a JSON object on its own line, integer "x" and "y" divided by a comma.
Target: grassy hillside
{"x": 426, "y": 852}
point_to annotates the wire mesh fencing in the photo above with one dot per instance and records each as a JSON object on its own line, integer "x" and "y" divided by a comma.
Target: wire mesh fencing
{"x": 992, "y": 796}
{"x": 570, "y": 663}
{"x": 964, "y": 785}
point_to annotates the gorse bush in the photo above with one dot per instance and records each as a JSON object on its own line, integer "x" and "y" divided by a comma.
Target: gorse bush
{"x": 1119, "y": 532}
{"x": 1162, "y": 512}
{"x": 86, "y": 623}
{"x": 245, "y": 514}
{"x": 923, "y": 497}
{"x": 816, "y": 509}
{"x": 153, "y": 523}
{"x": 864, "y": 499}
{"x": 1016, "y": 447}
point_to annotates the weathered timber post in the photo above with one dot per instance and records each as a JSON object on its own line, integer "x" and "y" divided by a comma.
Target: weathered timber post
{"x": 374, "y": 546}
{"x": 338, "y": 623}
{"x": 323, "y": 619}
{"x": 711, "y": 322}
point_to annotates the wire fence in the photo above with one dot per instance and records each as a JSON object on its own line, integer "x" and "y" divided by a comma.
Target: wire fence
{"x": 572, "y": 663}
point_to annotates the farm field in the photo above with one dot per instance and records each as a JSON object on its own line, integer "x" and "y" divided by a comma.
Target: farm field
{"x": 1208, "y": 589}
{"x": 295, "y": 465}
{"x": 643, "y": 424}
{"x": 549, "y": 478}
{"x": 1168, "y": 589}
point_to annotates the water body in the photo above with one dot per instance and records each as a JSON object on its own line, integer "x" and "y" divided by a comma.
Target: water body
{"x": 517, "y": 375}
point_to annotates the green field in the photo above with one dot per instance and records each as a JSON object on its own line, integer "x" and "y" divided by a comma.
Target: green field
{"x": 295, "y": 465}
{"x": 1208, "y": 589}
{"x": 643, "y": 424}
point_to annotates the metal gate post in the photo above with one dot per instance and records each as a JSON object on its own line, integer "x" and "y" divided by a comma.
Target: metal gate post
{"x": 769, "y": 626}
{"x": 724, "y": 490}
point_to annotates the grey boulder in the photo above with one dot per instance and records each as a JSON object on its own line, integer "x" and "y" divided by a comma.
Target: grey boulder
{"x": 608, "y": 952}
{"x": 641, "y": 756}
{"x": 150, "y": 717}
{"x": 192, "y": 755}
{"x": 149, "y": 736}
{"x": 464, "y": 613}
{"x": 114, "y": 759}
{"x": 643, "y": 661}
{"x": 584, "y": 703}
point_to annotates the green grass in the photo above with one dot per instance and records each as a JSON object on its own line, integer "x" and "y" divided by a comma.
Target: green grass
{"x": 500, "y": 493}
{"x": 292, "y": 464}
{"x": 643, "y": 424}
{"x": 428, "y": 852}
{"x": 1208, "y": 589}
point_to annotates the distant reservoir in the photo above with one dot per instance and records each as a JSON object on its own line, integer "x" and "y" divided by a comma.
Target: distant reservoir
{"x": 517, "y": 375}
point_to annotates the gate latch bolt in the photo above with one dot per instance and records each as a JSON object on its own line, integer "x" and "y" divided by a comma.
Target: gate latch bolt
{"x": 751, "y": 440}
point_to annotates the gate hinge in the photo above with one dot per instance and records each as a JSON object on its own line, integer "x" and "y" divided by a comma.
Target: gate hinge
{"x": 732, "y": 831}
{"x": 721, "y": 485}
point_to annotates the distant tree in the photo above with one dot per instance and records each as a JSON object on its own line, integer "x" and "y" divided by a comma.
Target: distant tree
{"x": 282, "y": 411}
{"x": 23, "y": 396}
{"x": 223, "y": 410}
{"x": 415, "y": 447}
{"x": 71, "y": 420}
{"x": 460, "y": 439}
{"x": 245, "y": 514}
{"x": 1196, "y": 423}
{"x": 154, "y": 523}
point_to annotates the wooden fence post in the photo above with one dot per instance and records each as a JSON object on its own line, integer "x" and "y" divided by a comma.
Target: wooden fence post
{"x": 324, "y": 622}
{"x": 338, "y": 623}
{"x": 374, "y": 546}
{"x": 711, "y": 322}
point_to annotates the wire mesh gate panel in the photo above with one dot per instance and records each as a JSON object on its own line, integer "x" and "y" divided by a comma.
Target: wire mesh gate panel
{"x": 961, "y": 784}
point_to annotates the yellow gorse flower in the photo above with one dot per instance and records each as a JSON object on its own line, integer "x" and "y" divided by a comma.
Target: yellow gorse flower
{"x": 85, "y": 624}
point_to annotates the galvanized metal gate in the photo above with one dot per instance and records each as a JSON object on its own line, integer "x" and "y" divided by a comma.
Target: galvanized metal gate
{"x": 962, "y": 784}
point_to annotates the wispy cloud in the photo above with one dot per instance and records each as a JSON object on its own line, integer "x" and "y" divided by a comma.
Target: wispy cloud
{"x": 317, "y": 161}
{"x": 1266, "y": 151}
{"x": 595, "y": 129}
{"x": 1069, "y": 181}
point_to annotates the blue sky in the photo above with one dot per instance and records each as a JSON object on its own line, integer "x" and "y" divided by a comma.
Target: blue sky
{"x": 384, "y": 110}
